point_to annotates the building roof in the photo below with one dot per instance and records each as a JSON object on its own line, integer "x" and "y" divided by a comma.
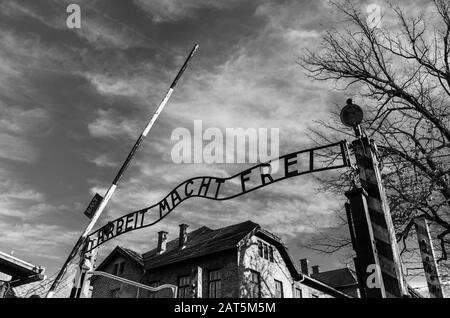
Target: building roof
{"x": 134, "y": 255}
{"x": 201, "y": 242}
{"x": 337, "y": 278}
{"x": 205, "y": 241}
{"x": 283, "y": 250}
{"x": 21, "y": 272}
{"x": 131, "y": 255}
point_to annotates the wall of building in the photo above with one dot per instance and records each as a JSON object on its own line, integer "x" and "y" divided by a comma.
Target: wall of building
{"x": 103, "y": 287}
{"x": 249, "y": 259}
{"x": 235, "y": 265}
{"x": 169, "y": 274}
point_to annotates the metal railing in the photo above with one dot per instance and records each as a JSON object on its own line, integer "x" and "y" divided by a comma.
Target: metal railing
{"x": 174, "y": 288}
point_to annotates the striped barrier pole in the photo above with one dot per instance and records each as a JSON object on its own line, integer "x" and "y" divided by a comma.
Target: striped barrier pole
{"x": 367, "y": 260}
{"x": 428, "y": 258}
{"x": 104, "y": 201}
{"x": 380, "y": 218}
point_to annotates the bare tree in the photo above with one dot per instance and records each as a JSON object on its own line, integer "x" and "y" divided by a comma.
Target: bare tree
{"x": 402, "y": 72}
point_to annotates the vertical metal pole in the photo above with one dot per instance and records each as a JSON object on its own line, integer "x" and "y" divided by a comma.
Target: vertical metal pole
{"x": 359, "y": 276}
{"x": 85, "y": 290}
{"x": 365, "y": 248}
{"x": 119, "y": 175}
{"x": 428, "y": 258}
{"x": 380, "y": 217}
{"x": 81, "y": 287}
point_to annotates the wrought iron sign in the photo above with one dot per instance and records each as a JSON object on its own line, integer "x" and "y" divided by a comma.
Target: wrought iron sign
{"x": 322, "y": 158}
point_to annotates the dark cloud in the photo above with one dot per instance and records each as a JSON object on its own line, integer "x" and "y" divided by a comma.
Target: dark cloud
{"x": 73, "y": 101}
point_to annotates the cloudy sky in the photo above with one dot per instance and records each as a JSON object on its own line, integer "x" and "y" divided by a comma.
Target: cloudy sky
{"x": 73, "y": 101}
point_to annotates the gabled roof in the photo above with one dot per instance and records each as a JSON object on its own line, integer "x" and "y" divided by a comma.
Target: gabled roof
{"x": 283, "y": 250}
{"x": 337, "y": 278}
{"x": 134, "y": 255}
{"x": 201, "y": 242}
{"x": 131, "y": 255}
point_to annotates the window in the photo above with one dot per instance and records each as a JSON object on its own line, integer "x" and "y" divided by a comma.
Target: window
{"x": 184, "y": 288}
{"x": 119, "y": 268}
{"x": 154, "y": 284}
{"x": 298, "y": 293}
{"x": 215, "y": 284}
{"x": 115, "y": 293}
{"x": 254, "y": 285}
{"x": 266, "y": 251}
{"x": 260, "y": 249}
{"x": 278, "y": 289}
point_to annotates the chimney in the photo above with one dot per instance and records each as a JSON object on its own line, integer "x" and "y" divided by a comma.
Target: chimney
{"x": 162, "y": 240}
{"x": 304, "y": 266}
{"x": 315, "y": 269}
{"x": 182, "y": 239}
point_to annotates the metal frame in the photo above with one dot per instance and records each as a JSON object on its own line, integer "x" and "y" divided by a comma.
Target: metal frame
{"x": 106, "y": 231}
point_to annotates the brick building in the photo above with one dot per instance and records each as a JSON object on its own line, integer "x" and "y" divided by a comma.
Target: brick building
{"x": 237, "y": 261}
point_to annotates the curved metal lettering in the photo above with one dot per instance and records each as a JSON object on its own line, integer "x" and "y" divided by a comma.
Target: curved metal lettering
{"x": 213, "y": 188}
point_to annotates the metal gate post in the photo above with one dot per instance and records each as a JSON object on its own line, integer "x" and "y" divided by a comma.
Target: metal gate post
{"x": 81, "y": 287}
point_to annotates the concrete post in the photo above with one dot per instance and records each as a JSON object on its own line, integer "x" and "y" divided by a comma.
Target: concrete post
{"x": 364, "y": 244}
{"x": 380, "y": 218}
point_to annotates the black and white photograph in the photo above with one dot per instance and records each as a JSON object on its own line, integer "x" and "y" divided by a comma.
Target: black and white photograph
{"x": 238, "y": 150}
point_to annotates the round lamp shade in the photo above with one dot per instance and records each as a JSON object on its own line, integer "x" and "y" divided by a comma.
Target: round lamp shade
{"x": 351, "y": 115}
